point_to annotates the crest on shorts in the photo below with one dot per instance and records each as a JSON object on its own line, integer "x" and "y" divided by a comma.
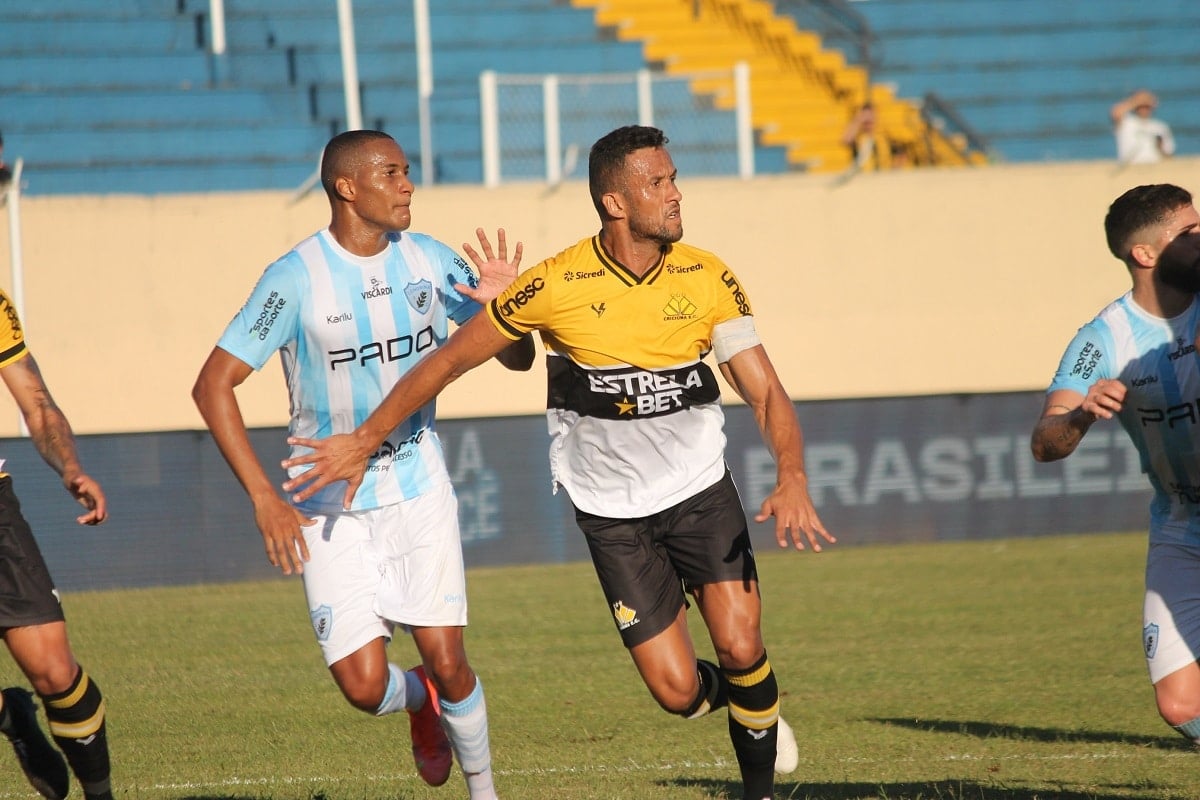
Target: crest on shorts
{"x": 322, "y": 622}
{"x": 1150, "y": 639}
{"x": 624, "y": 615}
{"x": 420, "y": 295}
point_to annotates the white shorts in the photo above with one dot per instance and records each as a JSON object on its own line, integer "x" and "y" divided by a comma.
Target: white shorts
{"x": 1171, "y": 613}
{"x": 371, "y": 571}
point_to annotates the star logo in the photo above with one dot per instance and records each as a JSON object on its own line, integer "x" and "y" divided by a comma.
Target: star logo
{"x": 624, "y": 406}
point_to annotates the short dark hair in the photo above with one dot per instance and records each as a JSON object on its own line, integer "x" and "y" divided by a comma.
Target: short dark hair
{"x": 341, "y": 153}
{"x": 607, "y": 158}
{"x": 1139, "y": 208}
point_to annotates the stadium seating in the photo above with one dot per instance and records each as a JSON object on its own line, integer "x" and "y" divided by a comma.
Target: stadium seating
{"x": 125, "y": 96}
{"x": 1036, "y": 79}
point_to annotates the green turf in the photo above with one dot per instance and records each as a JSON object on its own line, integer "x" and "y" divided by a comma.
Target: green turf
{"x": 1006, "y": 669}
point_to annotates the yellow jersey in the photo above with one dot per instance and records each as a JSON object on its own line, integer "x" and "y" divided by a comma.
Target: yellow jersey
{"x": 634, "y": 413}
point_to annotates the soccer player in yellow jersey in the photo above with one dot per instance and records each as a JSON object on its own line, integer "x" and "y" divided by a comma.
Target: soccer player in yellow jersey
{"x": 31, "y": 619}
{"x": 627, "y": 317}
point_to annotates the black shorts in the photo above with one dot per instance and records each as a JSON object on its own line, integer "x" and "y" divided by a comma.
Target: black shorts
{"x": 27, "y": 594}
{"x": 645, "y": 565}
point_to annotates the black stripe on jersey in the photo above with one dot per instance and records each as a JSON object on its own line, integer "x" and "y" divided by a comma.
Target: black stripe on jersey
{"x": 12, "y": 352}
{"x": 628, "y": 393}
{"x": 621, "y": 271}
{"x": 499, "y": 319}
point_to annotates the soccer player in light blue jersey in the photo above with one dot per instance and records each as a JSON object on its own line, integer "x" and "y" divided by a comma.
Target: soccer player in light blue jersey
{"x": 1137, "y": 361}
{"x": 350, "y": 310}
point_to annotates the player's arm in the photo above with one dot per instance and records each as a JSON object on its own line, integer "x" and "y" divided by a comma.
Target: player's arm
{"x": 519, "y": 355}
{"x": 1122, "y": 107}
{"x": 343, "y": 457}
{"x": 52, "y": 436}
{"x": 278, "y": 522}
{"x": 1067, "y": 415}
{"x": 752, "y": 375}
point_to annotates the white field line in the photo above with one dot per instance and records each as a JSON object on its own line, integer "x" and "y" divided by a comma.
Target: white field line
{"x": 624, "y": 768}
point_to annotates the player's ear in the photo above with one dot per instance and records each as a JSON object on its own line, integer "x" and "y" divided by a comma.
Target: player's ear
{"x": 614, "y": 204}
{"x": 344, "y": 186}
{"x": 1144, "y": 255}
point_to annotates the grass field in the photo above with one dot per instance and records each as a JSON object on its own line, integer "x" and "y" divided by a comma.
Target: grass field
{"x": 1006, "y": 669}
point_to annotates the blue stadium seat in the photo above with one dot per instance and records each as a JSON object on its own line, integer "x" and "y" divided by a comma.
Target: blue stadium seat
{"x": 124, "y": 96}
{"x": 1037, "y": 79}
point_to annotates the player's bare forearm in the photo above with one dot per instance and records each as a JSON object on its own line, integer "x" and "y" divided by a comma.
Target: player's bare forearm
{"x": 789, "y": 502}
{"x": 51, "y": 434}
{"x": 1067, "y": 416}
{"x": 1056, "y": 436}
{"x": 343, "y": 457}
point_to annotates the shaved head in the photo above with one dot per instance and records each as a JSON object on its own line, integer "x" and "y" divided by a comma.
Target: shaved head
{"x": 344, "y": 155}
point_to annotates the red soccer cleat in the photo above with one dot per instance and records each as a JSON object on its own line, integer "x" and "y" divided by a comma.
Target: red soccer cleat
{"x": 431, "y": 747}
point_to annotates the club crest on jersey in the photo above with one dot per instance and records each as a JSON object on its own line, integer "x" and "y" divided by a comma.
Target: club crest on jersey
{"x": 679, "y": 307}
{"x": 420, "y": 295}
{"x": 1150, "y": 639}
{"x": 322, "y": 621}
{"x": 624, "y": 615}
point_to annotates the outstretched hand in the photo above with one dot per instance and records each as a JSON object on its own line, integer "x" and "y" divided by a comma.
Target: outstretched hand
{"x": 496, "y": 272}
{"x": 792, "y": 507}
{"x": 338, "y": 458}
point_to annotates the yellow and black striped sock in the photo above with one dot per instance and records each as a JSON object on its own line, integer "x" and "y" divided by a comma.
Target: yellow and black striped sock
{"x": 754, "y": 725}
{"x": 76, "y": 719}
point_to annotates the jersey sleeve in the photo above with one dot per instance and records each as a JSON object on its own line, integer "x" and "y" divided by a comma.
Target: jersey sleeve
{"x": 1088, "y": 359}
{"x": 451, "y": 269}
{"x": 12, "y": 335}
{"x": 732, "y": 301}
{"x": 271, "y": 316}
{"x": 526, "y": 305}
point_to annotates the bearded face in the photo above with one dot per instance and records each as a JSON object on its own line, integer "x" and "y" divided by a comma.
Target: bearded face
{"x": 1179, "y": 263}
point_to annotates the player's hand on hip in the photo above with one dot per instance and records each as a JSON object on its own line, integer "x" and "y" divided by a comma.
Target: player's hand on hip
{"x": 796, "y": 518}
{"x": 337, "y": 458}
{"x": 283, "y": 539}
{"x": 496, "y": 272}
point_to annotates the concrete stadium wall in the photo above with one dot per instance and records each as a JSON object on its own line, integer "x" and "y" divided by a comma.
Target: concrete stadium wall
{"x": 907, "y": 283}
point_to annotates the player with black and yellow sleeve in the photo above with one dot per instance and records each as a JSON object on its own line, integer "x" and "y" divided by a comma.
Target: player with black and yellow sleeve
{"x": 636, "y": 425}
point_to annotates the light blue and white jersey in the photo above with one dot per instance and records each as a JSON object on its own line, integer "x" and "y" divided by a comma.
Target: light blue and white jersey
{"x": 347, "y": 328}
{"x": 1157, "y": 361}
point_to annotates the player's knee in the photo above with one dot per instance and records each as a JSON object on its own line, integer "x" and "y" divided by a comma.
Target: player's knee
{"x": 364, "y": 695}
{"x": 1178, "y": 711}
{"x": 452, "y": 677}
{"x": 741, "y": 653}
{"x": 54, "y": 675}
{"x": 677, "y": 694}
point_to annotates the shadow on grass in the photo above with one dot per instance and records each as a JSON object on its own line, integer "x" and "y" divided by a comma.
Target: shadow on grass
{"x": 932, "y": 790}
{"x": 313, "y": 796}
{"x": 991, "y": 730}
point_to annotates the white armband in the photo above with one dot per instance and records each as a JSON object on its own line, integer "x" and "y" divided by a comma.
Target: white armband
{"x": 733, "y": 336}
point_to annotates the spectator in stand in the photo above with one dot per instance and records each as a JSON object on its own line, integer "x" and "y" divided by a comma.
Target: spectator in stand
{"x": 869, "y": 149}
{"x": 1141, "y": 138}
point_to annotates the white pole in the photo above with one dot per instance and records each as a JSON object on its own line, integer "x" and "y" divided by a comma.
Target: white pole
{"x": 216, "y": 17}
{"x": 489, "y": 122}
{"x": 551, "y": 129}
{"x": 349, "y": 66}
{"x": 14, "y": 237}
{"x": 745, "y": 128}
{"x": 424, "y": 88}
{"x": 14, "y": 243}
{"x": 645, "y": 98}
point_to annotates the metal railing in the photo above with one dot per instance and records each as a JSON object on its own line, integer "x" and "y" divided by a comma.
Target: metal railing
{"x": 941, "y": 116}
{"x": 531, "y": 118}
{"x": 840, "y": 25}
